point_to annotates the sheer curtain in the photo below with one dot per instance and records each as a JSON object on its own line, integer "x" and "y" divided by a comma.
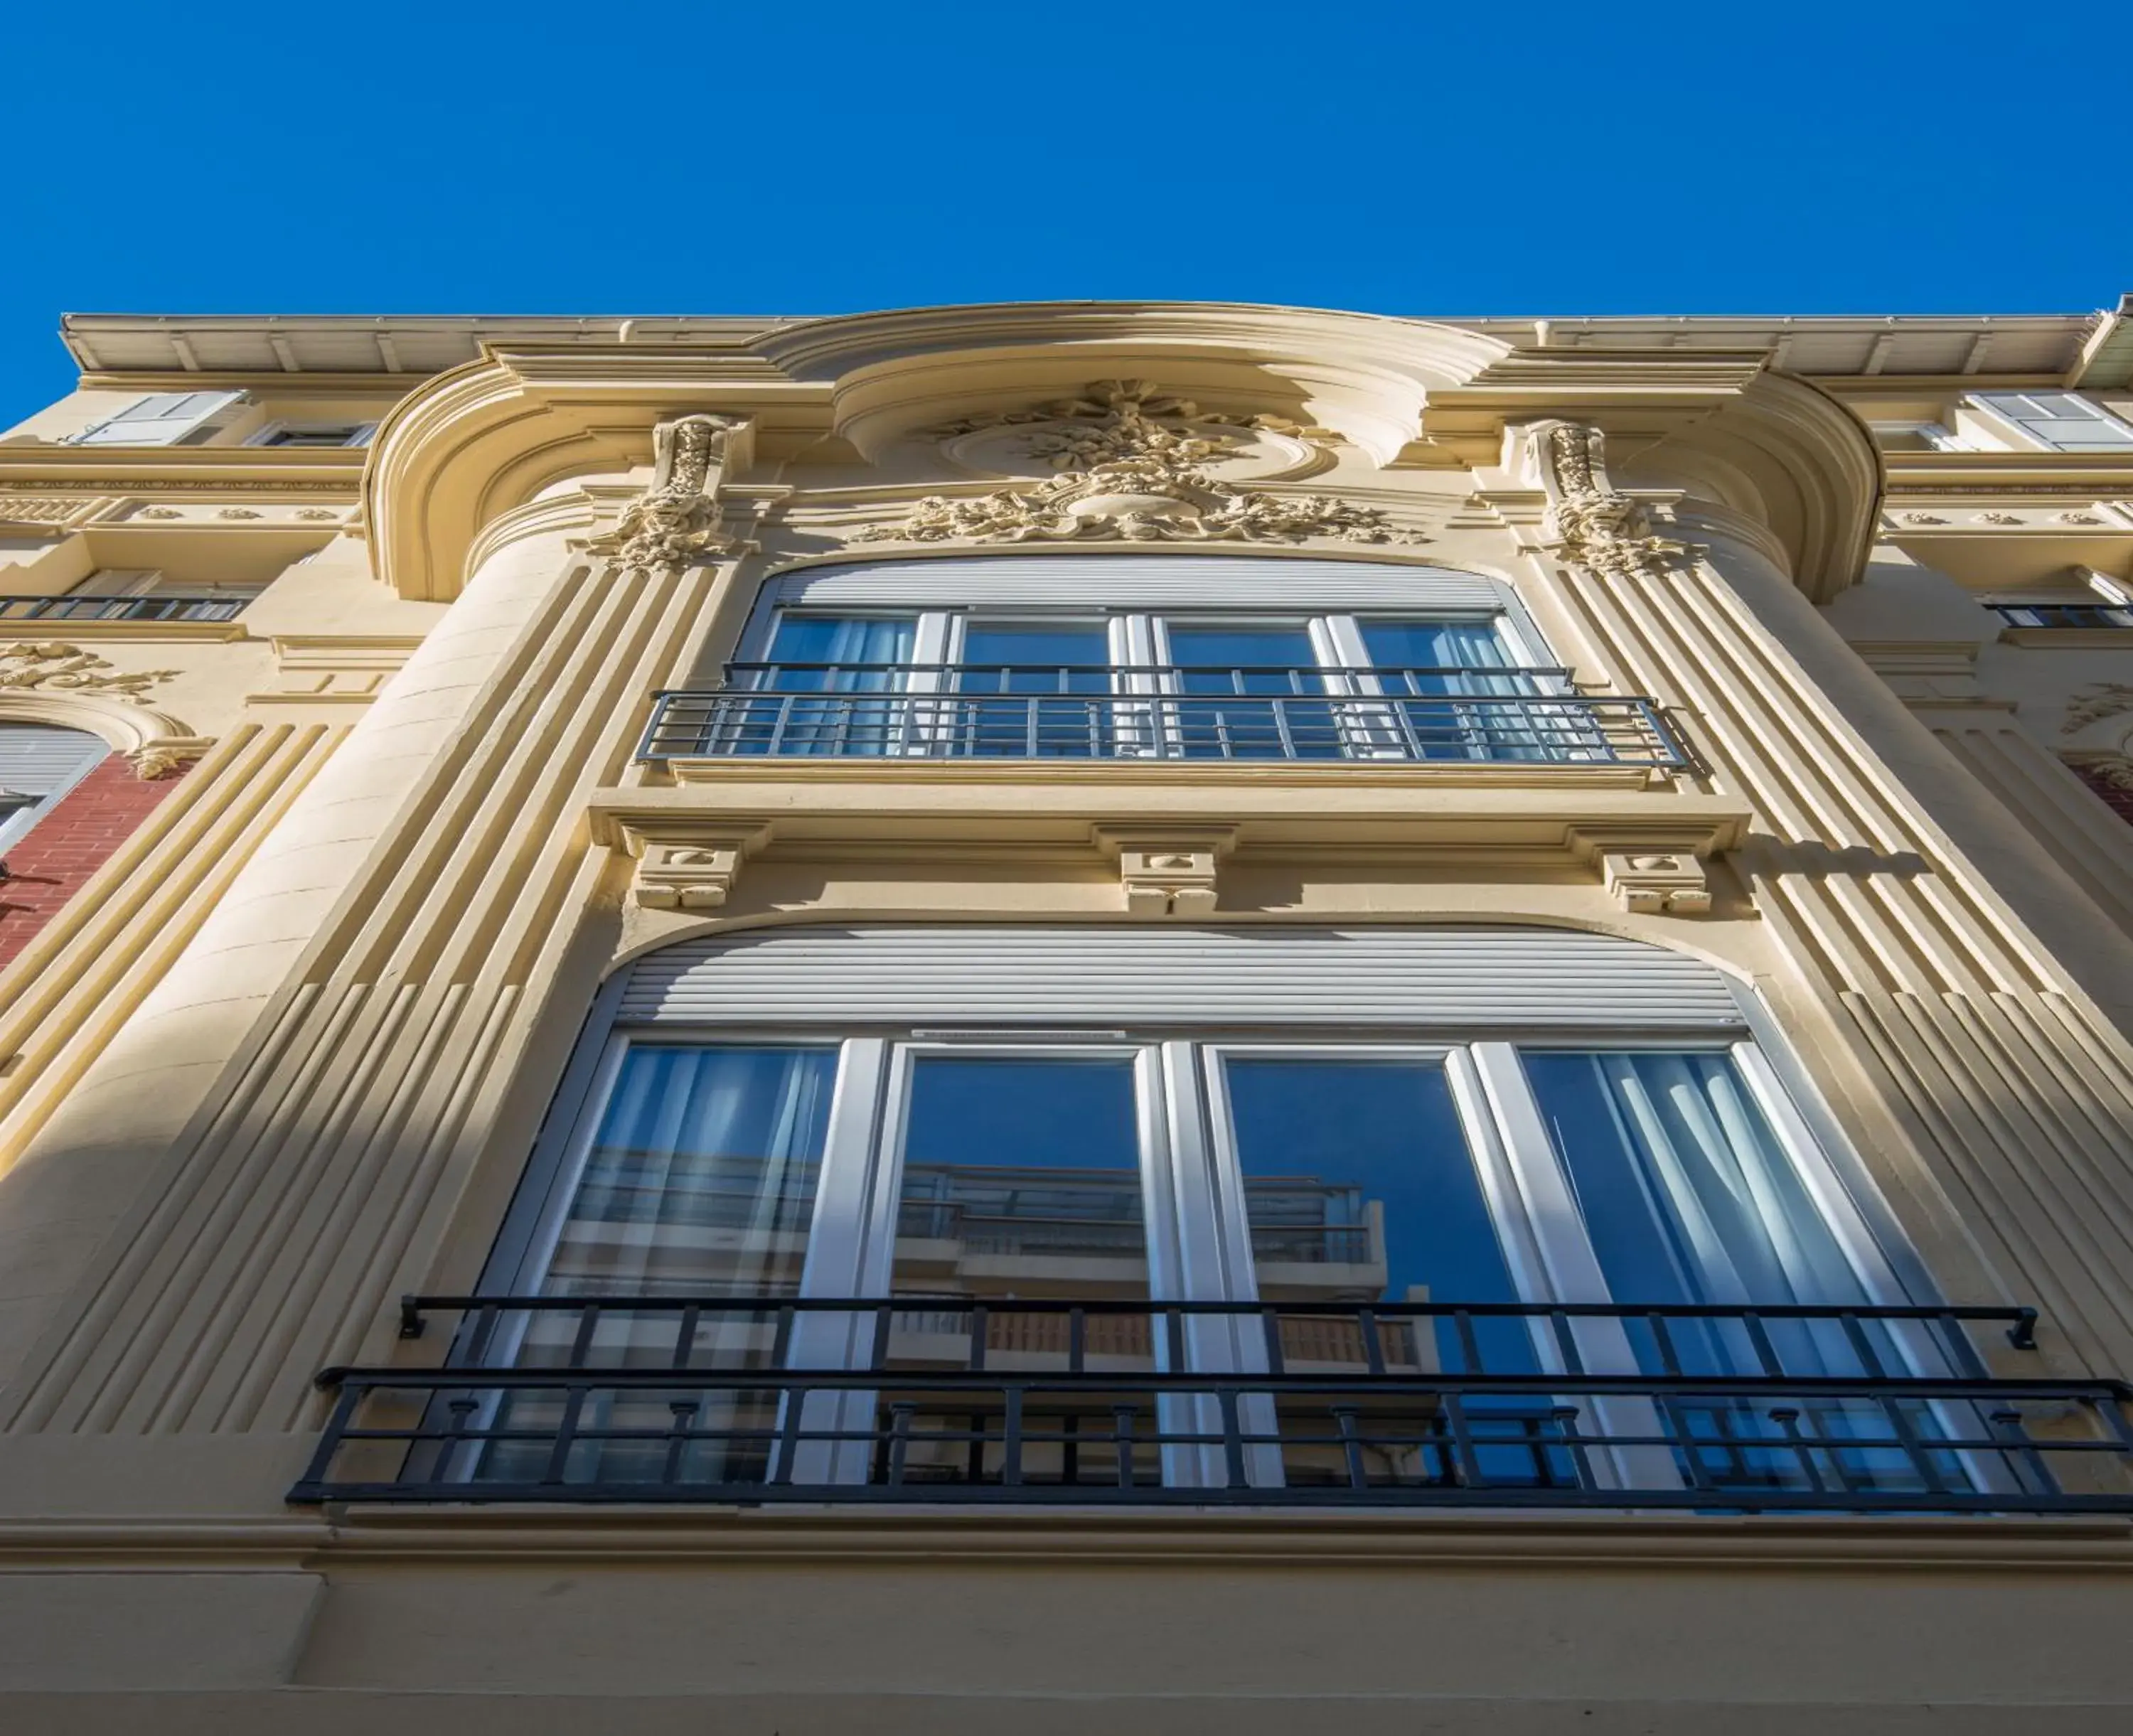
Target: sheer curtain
{"x": 700, "y": 1182}
{"x": 840, "y": 654}
{"x": 1437, "y": 658}
{"x": 1688, "y": 1197}
{"x": 701, "y": 1177}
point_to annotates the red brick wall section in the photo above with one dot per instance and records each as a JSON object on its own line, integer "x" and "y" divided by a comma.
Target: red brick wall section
{"x": 2119, "y": 798}
{"x": 69, "y": 844}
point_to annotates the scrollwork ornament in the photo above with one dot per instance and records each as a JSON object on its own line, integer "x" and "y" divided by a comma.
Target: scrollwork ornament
{"x": 2093, "y": 704}
{"x": 676, "y": 519}
{"x": 1592, "y": 523}
{"x": 1156, "y": 498}
{"x": 32, "y": 664}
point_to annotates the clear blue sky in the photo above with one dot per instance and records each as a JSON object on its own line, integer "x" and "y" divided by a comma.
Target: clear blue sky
{"x": 1426, "y": 158}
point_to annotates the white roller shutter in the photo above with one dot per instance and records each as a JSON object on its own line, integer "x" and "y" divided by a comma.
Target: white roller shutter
{"x": 1034, "y": 579}
{"x": 42, "y": 764}
{"x": 1465, "y": 978}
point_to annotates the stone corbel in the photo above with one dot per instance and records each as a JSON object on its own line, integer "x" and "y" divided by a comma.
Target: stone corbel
{"x": 1648, "y": 873}
{"x": 689, "y": 866}
{"x": 676, "y": 520}
{"x": 1169, "y": 872}
{"x": 164, "y": 754}
{"x": 1589, "y": 520}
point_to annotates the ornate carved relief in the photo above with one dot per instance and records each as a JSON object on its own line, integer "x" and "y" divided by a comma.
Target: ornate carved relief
{"x": 676, "y": 519}
{"x": 1592, "y": 522}
{"x": 1116, "y": 418}
{"x": 2093, "y": 704}
{"x": 166, "y": 754}
{"x": 1132, "y": 460}
{"x": 2113, "y": 769}
{"x": 39, "y": 511}
{"x": 29, "y": 663}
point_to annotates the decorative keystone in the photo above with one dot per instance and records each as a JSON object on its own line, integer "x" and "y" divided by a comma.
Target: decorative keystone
{"x": 1170, "y": 872}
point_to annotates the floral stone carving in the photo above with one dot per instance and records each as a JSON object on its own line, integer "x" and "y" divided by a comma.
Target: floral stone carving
{"x": 29, "y": 663}
{"x": 1593, "y": 523}
{"x": 1130, "y": 458}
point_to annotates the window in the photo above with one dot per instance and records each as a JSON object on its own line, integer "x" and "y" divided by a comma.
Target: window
{"x": 2064, "y": 422}
{"x": 314, "y": 434}
{"x": 1027, "y": 684}
{"x": 1477, "y": 1215}
{"x": 135, "y": 593}
{"x": 38, "y": 766}
{"x": 163, "y": 419}
{"x": 1916, "y": 437}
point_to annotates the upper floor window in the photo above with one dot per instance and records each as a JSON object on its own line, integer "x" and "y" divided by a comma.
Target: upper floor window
{"x": 1917, "y": 437}
{"x": 2064, "y": 422}
{"x": 38, "y": 766}
{"x": 136, "y": 594}
{"x": 314, "y": 434}
{"x": 163, "y": 419}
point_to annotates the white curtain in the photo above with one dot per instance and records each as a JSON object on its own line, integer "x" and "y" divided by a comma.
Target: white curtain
{"x": 1688, "y": 1197}
{"x": 701, "y": 1177}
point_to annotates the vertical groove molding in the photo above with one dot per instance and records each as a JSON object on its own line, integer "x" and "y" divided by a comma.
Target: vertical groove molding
{"x": 110, "y": 1174}
{"x": 73, "y": 986}
{"x": 2008, "y": 1079}
{"x": 319, "y": 1173}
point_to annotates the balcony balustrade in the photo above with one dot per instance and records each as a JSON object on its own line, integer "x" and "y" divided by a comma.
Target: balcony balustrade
{"x": 964, "y": 1399}
{"x": 962, "y": 712}
{"x": 160, "y": 608}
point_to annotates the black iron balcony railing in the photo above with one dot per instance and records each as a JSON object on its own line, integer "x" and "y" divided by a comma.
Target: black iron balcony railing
{"x": 2063, "y": 614}
{"x": 957, "y": 1399}
{"x": 972, "y": 712}
{"x": 122, "y": 608}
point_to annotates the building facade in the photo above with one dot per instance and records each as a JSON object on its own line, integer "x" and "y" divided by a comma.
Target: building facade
{"x": 1194, "y": 1016}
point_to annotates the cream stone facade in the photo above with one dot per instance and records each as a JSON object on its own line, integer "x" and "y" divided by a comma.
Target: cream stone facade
{"x": 1658, "y": 779}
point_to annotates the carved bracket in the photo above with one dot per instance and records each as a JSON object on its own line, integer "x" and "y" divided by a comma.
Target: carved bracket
{"x": 1590, "y": 520}
{"x": 676, "y": 519}
{"x": 690, "y": 866}
{"x": 165, "y": 753}
{"x": 1169, "y": 872}
{"x": 1648, "y": 872}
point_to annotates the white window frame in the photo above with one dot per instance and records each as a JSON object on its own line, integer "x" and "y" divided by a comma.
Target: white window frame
{"x": 357, "y": 434}
{"x": 1139, "y": 642}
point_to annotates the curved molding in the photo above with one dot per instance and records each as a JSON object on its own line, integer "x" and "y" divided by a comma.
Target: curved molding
{"x": 155, "y": 742}
{"x": 676, "y": 928}
{"x": 1788, "y": 457}
{"x": 1364, "y": 375}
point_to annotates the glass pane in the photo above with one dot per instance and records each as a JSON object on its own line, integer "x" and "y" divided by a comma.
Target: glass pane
{"x": 1689, "y": 1198}
{"x": 1216, "y": 661}
{"x": 1035, "y": 658}
{"x": 701, "y": 1183}
{"x": 701, "y": 1177}
{"x": 1359, "y": 1187}
{"x": 1021, "y": 1179}
{"x": 832, "y": 654}
{"x": 1433, "y": 661}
